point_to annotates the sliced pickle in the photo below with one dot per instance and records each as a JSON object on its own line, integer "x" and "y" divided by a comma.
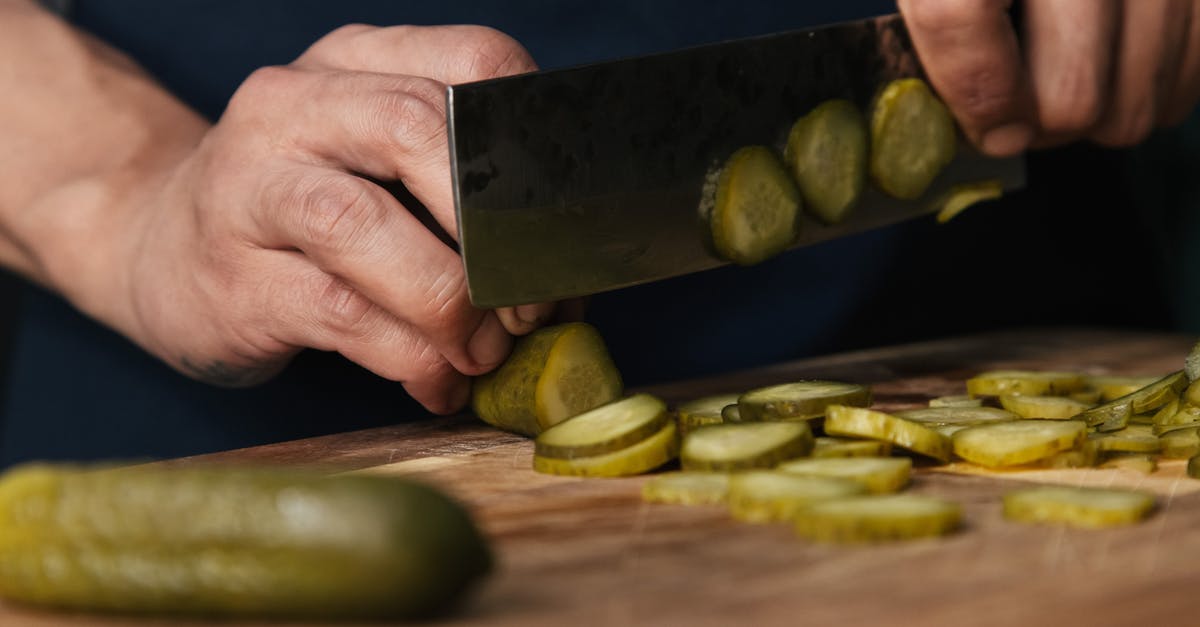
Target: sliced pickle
{"x": 1025, "y": 383}
{"x": 827, "y": 154}
{"x": 1159, "y": 393}
{"x": 644, "y": 456}
{"x": 802, "y": 399}
{"x": 756, "y": 208}
{"x": 1017, "y": 443}
{"x": 962, "y": 196}
{"x": 762, "y": 496}
{"x": 743, "y": 446}
{"x": 912, "y": 138}
{"x": 1111, "y": 416}
{"x": 1089, "y": 395}
{"x": 1193, "y": 467}
{"x": 1086, "y": 455}
{"x": 827, "y": 446}
{"x": 731, "y": 413}
{"x": 866, "y": 423}
{"x": 687, "y": 488}
{"x": 552, "y": 374}
{"x": 879, "y": 475}
{"x": 964, "y": 416}
{"x": 1043, "y": 407}
{"x": 1144, "y": 464}
{"x": 878, "y": 519}
{"x": 702, "y": 412}
{"x": 962, "y": 400}
{"x": 1113, "y": 387}
{"x": 1090, "y": 508}
{"x": 1181, "y": 443}
{"x": 1135, "y": 439}
{"x": 608, "y": 428}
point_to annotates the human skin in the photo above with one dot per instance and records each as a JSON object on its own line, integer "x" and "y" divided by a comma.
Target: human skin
{"x": 224, "y": 249}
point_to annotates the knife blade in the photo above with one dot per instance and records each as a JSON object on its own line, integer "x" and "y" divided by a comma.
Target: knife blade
{"x": 577, "y": 181}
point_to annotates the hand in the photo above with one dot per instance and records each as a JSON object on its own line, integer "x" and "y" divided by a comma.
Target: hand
{"x": 269, "y": 237}
{"x": 1106, "y": 70}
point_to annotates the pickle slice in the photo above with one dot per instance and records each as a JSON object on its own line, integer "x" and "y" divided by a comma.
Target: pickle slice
{"x": 878, "y": 474}
{"x": 1112, "y": 387}
{"x": 1181, "y": 443}
{"x": 1193, "y": 467}
{"x": 961, "y": 197}
{"x": 552, "y": 374}
{"x": 955, "y": 401}
{"x": 1135, "y": 439}
{"x": 876, "y": 425}
{"x": 957, "y": 416}
{"x": 1144, "y": 464}
{"x": 1086, "y": 455}
{"x": 687, "y": 488}
{"x": 802, "y": 399}
{"x": 878, "y": 519}
{"x": 827, "y": 154}
{"x": 644, "y": 456}
{"x": 1025, "y": 383}
{"x": 1089, "y": 508}
{"x": 912, "y": 138}
{"x": 1159, "y": 393}
{"x": 702, "y": 412}
{"x": 1089, "y": 395}
{"x": 1016, "y": 443}
{"x": 756, "y": 208}
{"x": 743, "y": 446}
{"x": 826, "y": 446}
{"x": 211, "y": 541}
{"x": 731, "y": 413}
{"x": 1043, "y": 407}
{"x": 1111, "y": 416}
{"x": 612, "y": 427}
{"x": 763, "y": 496}
{"x": 1191, "y": 394}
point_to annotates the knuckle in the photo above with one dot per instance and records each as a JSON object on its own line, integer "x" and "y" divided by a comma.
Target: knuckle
{"x": 343, "y": 308}
{"x": 263, "y": 85}
{"x": 490, "y": 53}
{"x": 444, "y": 306}
{"x": 334, "y": 212}
{"x": 1075, "y": 104}
{"x": 412, "y": 117}
{"x": 336, "y": 44}
{"x": 983, "y": 93}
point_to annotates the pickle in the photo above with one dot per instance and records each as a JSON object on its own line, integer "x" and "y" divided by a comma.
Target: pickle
{"x": 878, "y": 474}
{"x": 1181, "y": 444}
{"x": 802, "y": 399}
{"x": 687, "y": 488}
{"x": 955, "y": 401}
{"x": 1089, "y": 508}
{"x": 827, "y": 154}
{"x": 644, "y": 456}
{"x": 1043, "y": 407}
{"x": 1025, "y": 383}
{"x": 763, "y": 496}
{"x": 1193, "y": 467}
{"x": 957, "y": 416}
{"x": 826, "y": 446}
{"x": 605, "y": 429}
{"x": 912, "y": 138}
{"x": 756, "y": 207}
{"x": 1184, "y": 416}
{"x": 731, "y": 413}
{"x": 1089, "y": 395}
{"x": 703, "y": 412}
{"x": 552, "y": 374}
{"x": 1086, "y": 455}
{"x": 1144, "y": 464}
{"x": 1111, "y": 416}
{"x": 221, "y": 541}
{"x": 876, "y": 425}
{"x": 964, "y": 195}
{"x": 1191, "y": 394}
{"x": 1136, "y": 439}
{"x": 878, "y": 519}
{"x": 1159, "y": 393}
{"x": 1113, "y": 387}
{"x": 743, "y": 446}
{"x": 1016, "y": 443}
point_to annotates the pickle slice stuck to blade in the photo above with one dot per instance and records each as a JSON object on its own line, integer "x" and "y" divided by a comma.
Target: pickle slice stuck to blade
{"x": 827, "y": 154}
{"x": 756, "y": 208}
{"x": 912, "y": 138}
{"x": 963, "y": 196}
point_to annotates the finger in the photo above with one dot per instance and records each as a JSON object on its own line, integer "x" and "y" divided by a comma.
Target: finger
{"x": 523, "y": 319}
{"x": 1146, "y": 66}
{"x": 571, "y": 310}
{"x": 449, "y": 54}
{"x": 1183, "y": 97}
{"x": 313, "y": 309}
{"x": 1068, "y": 45}
{"x": 390, "y": 128}
{"x": 971, "y": 55}
{"x": 355, "y": 230}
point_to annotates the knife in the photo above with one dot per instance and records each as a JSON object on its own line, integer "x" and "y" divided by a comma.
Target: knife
{"x": 576, "y": 181}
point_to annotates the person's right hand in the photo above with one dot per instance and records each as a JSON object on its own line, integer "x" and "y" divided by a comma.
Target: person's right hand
{"x": 269, "y": 237}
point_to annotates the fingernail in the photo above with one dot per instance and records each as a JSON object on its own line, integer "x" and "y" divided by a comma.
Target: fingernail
{"x": 1007, "y": 140}
{"x": 490, "y": 343}
{"x": 530, "y": 314}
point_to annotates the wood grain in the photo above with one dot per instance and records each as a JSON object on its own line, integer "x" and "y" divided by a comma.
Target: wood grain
{"x": 589, "y": 552}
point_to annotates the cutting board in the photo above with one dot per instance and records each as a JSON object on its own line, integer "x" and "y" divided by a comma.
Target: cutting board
{"x": 590, "y": 552}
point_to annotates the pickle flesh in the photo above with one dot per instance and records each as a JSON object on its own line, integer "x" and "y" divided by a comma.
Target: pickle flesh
{"x": 756, "y": 208}
{"x": 1043, "y": 407}
{"x": 961, "y": 400}
{"x": 687, "y": 488}
{"x": 802, "y": 399}
{"x": 1112, "y": 387}
{"x": 607, "y": 428}
{"x": 1089, "y": 508}
{"x": 1017, "y": 443}
{"x": 703, "y": 411}
{"x": 827, "y": 154}
{"x": 876, "y": 425}
{"x": 1025, "y": 382}
{"x": 763, "y": 496}
{"x": 644, "y": 456}
{"x": 1128, "y": 440}
{"x": 746, "y": 445}
{"x": 879, "y": 475}
{"x": 963, "y": 196}
{"x": 878, "y": 519}
{"x": 1144, "y": 464}
{"x": 912, "y": 138}
{"x": 965, "y": 415}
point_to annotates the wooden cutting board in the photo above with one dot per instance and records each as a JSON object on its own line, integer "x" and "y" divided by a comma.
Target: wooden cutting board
{"x": 590, "y": 552}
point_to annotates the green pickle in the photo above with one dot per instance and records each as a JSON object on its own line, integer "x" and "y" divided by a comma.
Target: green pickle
{"x": 234, "y": 542}
{"x": 912, "y": 138}
{"x": 755, "y": 211}
{"x": 827, "y": 154}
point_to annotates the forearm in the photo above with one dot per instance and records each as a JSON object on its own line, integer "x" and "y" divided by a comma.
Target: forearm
{"x": 82, "y": 132}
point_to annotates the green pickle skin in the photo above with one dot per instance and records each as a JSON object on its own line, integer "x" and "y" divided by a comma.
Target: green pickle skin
{"x": 233, "y": 542}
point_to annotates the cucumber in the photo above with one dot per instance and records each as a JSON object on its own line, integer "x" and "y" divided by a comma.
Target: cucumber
{"x": 608, "y": 428}
{"x": 756, "y": 207}
{"x": 1089, "y": 508}
{"x": 964, "y": 416}
{"x": 877, "y": 474}
{"x": 912, "y": 138}
{"x": 233, "y": 542}
{"x": 878, "y": 519}
{"x": 955, "y": 401}
{"x": 1025, "y": 383}
{"x": 703, "y": 412}
{"x": 552, "y": 374}
{"x": 644, "y": 456}
{"x": 802, "y": 400}
{"x": 826, "y": 446}
{"x": 962, "y": 196}
{"x": 743, "y": 446}
{"x": 1043, "y": 407}
{"x": 687, "y": 488}
{"x": 876, "y": 425}
{"x": 763, "y": 496}
{"x": 1017, "y": 443}
{"x": 1193, "y": 467}
{"x": 827, "y": 154}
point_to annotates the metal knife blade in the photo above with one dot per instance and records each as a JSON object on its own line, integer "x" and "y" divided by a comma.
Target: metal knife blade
{"x": 576, "y": 181}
